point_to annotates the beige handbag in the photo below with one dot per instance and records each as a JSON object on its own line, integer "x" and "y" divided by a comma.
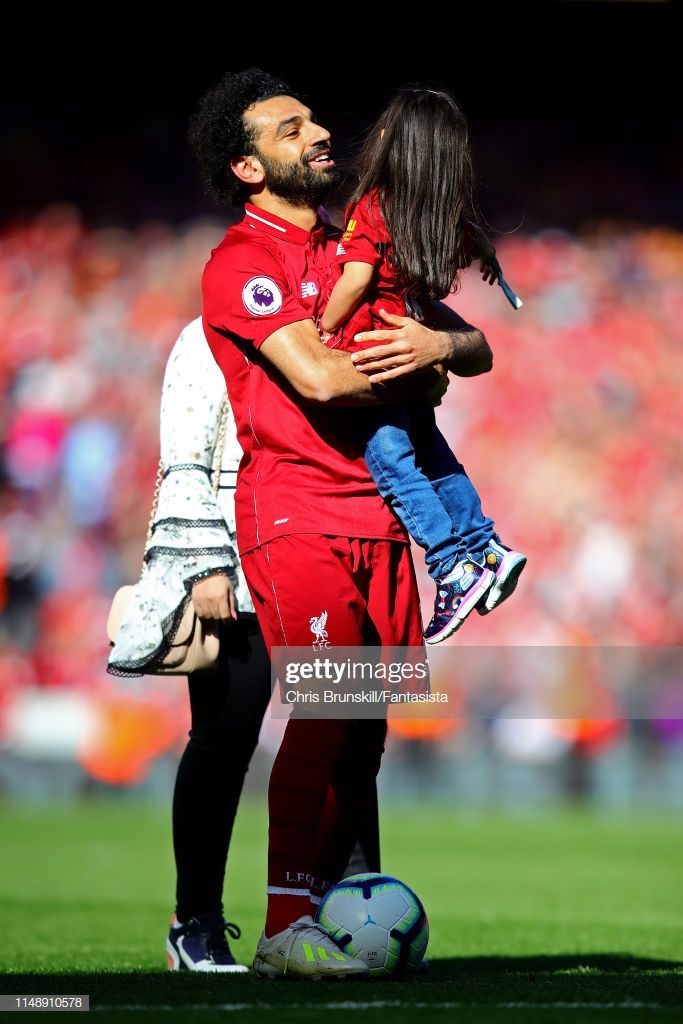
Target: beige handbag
{"x": 196, "y": 643}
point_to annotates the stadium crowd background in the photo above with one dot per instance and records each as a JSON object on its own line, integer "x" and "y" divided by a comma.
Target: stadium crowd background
{"x": 574, "y": 441}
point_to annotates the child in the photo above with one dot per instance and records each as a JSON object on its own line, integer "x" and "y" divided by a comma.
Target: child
{"x": 405, "y": 241}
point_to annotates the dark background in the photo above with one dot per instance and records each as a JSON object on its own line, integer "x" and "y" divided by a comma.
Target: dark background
{"x": 572, "y": 106}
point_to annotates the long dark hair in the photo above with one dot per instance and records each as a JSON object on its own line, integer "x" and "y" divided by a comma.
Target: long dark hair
{"x": 422, "y": 166}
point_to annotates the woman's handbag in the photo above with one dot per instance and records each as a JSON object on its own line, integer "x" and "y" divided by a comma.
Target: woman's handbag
{"x": 195, "y": 646}
{"x": 196, "y": 643}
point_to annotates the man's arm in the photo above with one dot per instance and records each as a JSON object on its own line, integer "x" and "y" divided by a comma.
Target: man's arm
{"x": 470, "y": 352}
{"x": 407, "y": 346}
{"x": 328, "y": 376}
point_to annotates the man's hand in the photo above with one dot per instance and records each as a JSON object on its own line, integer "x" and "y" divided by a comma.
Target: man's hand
{"x": 409, "y": 346}
{"x": 463, "y": 349}
{"x": 213, "y": 598}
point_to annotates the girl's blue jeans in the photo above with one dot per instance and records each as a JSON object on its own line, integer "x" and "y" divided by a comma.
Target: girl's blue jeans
{"x": 418, "y": 474}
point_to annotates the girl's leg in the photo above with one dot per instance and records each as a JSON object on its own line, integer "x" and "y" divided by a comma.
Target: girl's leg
{"x": 455, "y": 490}
{"x": 450, "y": 481}
{"x": 390, "y": 457}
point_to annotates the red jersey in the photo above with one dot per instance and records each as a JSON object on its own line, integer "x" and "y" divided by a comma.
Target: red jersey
{"x": 303, "y": 469}
{"x": 366, "y": 240}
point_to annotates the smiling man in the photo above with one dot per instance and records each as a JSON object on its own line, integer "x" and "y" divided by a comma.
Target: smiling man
{"x": 326, "y": 560}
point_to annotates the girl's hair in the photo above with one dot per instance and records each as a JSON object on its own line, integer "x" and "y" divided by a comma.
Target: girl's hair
{"x": 422, "y": 166}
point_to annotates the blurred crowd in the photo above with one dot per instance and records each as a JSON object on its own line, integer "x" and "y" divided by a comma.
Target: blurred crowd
{"x": 573, "y": 440}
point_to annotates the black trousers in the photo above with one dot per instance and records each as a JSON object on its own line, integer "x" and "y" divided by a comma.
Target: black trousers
{"x": 227, "y": 704}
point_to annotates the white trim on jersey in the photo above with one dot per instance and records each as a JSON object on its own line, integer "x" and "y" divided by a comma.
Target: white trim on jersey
{"x": 270, "y": 224}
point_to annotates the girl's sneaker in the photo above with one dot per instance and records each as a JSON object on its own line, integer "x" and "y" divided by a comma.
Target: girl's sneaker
{"x": 507, "y": 566}
{"x": 457, "y": 595}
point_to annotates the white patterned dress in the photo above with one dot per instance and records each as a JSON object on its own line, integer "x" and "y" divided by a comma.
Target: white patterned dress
{"x": 194, "y": 529}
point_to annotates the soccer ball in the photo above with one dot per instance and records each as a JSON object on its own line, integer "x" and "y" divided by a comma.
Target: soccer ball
{"x": 378, "y": 919}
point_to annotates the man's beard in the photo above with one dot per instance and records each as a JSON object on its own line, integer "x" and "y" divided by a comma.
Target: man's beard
{"x": 298, "y": 183}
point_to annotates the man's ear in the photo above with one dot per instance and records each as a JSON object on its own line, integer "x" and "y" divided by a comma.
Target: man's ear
{"x": 248, "y": 169}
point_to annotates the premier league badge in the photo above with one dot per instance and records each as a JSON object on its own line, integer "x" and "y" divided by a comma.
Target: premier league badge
{"x": 261, "y": 295}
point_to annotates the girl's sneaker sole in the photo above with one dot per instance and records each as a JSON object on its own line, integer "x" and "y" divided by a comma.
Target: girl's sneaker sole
{"x": 506, "y": 580}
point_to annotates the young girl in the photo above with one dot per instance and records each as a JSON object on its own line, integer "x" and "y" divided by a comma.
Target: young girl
{"x": 407, "y": 237}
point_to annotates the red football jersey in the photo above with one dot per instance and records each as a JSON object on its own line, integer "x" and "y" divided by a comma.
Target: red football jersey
{"x": 303, "y": 469}
{"x": 366, "y": 240}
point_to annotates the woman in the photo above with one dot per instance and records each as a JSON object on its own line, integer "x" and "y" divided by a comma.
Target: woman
{"x": 192, "y": 554}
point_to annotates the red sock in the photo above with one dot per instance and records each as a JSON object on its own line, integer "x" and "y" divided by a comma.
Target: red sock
{"x": 313, "y": 755}
{"x": 299, "y": 784}
{"x": 352, "y": 798}
{"x": 283, "y": 910}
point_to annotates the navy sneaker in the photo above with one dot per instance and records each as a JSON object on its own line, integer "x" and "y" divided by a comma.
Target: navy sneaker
{"x": 507, "y": 566}
{"x": 457, "y": 595}
{"x": 200, "y": 945}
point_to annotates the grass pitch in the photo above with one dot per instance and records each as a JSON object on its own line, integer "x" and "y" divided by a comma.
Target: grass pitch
{"x": 566, "y": 917}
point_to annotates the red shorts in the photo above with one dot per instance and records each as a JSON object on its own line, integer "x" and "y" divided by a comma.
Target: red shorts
{"x": 361, "y": 592}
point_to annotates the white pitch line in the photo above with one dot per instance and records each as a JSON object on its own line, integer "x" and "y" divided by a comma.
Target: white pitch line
{"x": 382, "y": 1004}
{"x": 581, "y": 1006}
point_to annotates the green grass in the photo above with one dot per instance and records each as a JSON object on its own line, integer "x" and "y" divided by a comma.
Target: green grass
{"x": 576, "y": 918}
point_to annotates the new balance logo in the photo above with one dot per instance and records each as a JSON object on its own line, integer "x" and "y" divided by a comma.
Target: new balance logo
{"x": 308, "y": 289}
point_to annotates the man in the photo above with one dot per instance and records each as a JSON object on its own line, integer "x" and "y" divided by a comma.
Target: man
{"x": 317, "y": 542}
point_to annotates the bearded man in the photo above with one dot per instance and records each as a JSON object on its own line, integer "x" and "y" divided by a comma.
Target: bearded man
{"x": 318, "y": 543}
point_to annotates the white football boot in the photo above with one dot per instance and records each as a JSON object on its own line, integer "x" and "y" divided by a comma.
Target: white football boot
{"x": 305, "y": 950}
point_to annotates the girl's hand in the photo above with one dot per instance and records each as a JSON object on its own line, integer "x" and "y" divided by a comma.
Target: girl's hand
{"x": 484, "y": 250}
{"x": 488, "y": 272}
{"x": 325, "y": 336}
{"x": 213, "y": 598}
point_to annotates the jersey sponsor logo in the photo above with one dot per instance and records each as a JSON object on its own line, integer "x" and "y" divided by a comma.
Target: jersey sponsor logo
{"x": 341, "y": 251}
{"x": 261, "y": 296}
{"x": 317, "y": 625}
